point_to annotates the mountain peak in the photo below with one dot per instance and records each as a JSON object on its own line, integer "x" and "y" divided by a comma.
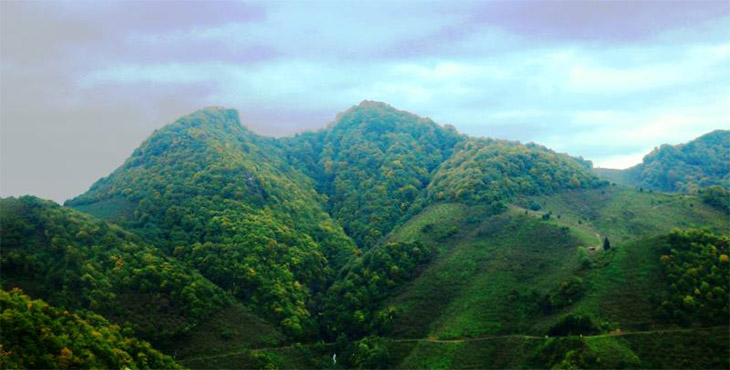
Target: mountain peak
{"x": 209, "y": 119}
{"x": 369, "y": 111}
{"x": 374, "y": 104}
{"x": 211, "y": 114}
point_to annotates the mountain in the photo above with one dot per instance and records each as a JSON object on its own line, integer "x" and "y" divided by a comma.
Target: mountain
{"x": 486, "y": 171}
{"x": 386, "y": 239}
{"x": 378, "y": 166}
{"x": 221, "y": 198}
{"x": 374, "y": 161}
{"x": 700, "y": 163}
{"x": 261, "y": 217}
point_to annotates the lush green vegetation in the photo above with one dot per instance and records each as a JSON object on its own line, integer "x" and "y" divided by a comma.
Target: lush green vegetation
{"x": 385, "y": 239}
{"x": 352, "y": 305}
{"x": 697, "y": 267}
{"x": 717, "y": 197}
{"x": 76, "y": 262}
{"x": 486, "y": 170}
{"x": 213, "y": 194}
{"x": 372, "y": 164}
{"x": 36, "y": 335}
{"x": 686, "y": 167}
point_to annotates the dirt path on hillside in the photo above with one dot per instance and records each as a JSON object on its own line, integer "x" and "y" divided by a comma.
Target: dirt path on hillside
{"x": 464, "y": 340}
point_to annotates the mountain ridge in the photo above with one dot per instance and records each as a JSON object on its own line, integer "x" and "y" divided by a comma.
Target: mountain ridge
{"x": 686, "y": 167}
{"x": 383, "y": 225}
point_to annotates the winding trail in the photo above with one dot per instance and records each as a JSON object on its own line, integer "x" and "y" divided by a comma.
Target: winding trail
{"x": 463, "y": 340}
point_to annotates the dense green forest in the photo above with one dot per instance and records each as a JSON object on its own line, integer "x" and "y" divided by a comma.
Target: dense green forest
{"x": 79, "y": 263}
{"x": 384, "y": 238}
{"x": 36, "y": 335}
{"x": 375, "y": 161}
{"x": 487, "y": 171}
{"x": 697, "y": 267}
{"x": 221, "y": 198}
{"x": 698, "y": 164}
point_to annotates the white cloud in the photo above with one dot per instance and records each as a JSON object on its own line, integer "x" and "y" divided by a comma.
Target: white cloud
{"x": 695, "y": 64}
{"x": 621, "y": 161}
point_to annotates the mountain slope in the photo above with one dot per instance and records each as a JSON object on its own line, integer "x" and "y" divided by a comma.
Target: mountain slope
{"x": 463, "y": 241}
{"x": 486, "y": 171}
{"x": 38, "y": 336}
{"x": 76, "y": 262}
{"x": 223, "y": 199}
{"x": 372, "y": 163}
{"x": 700, "y": 163}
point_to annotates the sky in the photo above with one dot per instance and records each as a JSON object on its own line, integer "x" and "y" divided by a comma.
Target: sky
{"x": 84, "y": 83}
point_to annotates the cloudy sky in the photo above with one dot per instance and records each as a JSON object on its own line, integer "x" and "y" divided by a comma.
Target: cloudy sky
{"x": 83, "y": 83}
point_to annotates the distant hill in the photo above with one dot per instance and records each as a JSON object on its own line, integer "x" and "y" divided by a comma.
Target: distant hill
{"x": 698, "y": 164}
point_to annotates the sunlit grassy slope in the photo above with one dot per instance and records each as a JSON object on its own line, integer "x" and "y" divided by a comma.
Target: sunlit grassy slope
{"x": 473, "y": 306}
{"x": 481, "y": 283}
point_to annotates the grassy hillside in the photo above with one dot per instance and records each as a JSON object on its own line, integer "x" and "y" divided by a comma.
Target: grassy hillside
{"x": 623, "y": 213}
{"x": 507, "y": 280}
{"x": 477, "y": 286}
{"x": 490, "y": 266}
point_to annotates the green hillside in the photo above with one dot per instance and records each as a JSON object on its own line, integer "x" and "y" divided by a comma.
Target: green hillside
{"x": 76, "y": 262}
{"x": 223, "y": 199}
{"x": 390, "y": 241}
{"x": 38, "y": 336}
{"x": 517, "y": 289}
{"x": 702, "y": 162}
{"x": 375, "y": 161}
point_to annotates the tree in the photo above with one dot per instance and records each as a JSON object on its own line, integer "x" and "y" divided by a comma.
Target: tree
{"x": 606, "y": 244}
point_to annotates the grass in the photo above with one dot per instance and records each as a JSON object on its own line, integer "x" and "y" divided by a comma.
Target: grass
{"x": 486, "y": 354}
{"x": 479, "y": 286}
{"x": 234, "y": 328}
{"x": 699, "y": 348}
{"x": 623, "y": 213}
{"x": 473, "y": 288}
{"x": 114, "y": 209}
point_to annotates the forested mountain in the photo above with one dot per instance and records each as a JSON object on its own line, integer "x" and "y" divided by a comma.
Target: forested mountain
{"x": 251, "y": 213}
{"x": 386, "y": 239}
{"x": 700, "y": 163}
{"x": 223, "y": 199}
{"x": 487, "y": 171}
{"x": 375, "y": 161}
